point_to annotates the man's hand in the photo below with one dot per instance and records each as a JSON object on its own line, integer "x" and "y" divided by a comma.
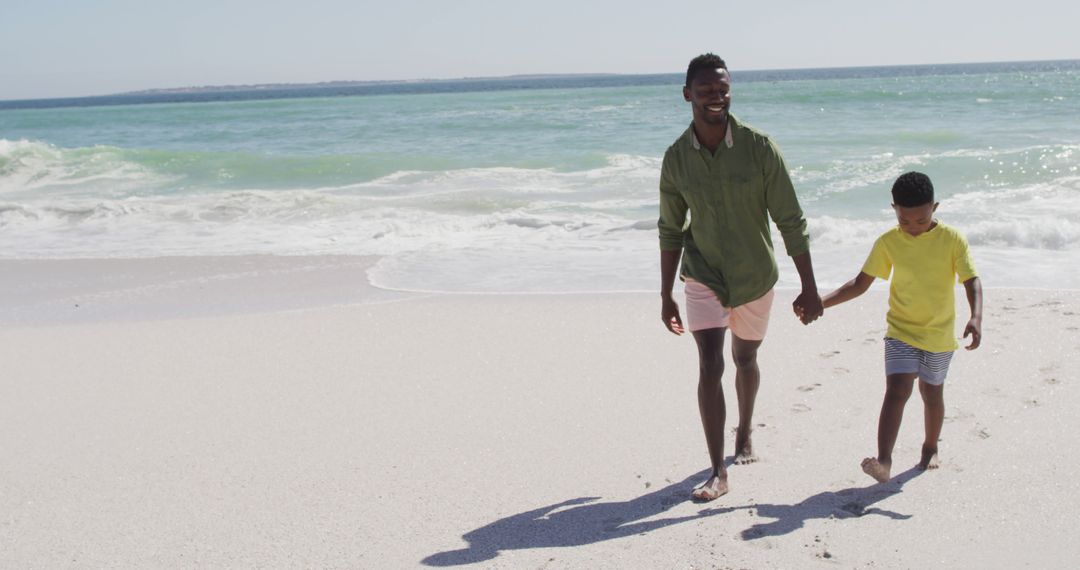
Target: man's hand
{"x": 807, "y": 306}
{"x": 973, "y": 328}
{"x": 669, "y": 312}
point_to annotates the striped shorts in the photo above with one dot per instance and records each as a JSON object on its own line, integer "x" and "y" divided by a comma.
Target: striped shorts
{"x": 902, "y": 358}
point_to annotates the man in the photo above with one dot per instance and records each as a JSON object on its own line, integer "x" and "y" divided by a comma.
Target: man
{"x": 731, "y": 179}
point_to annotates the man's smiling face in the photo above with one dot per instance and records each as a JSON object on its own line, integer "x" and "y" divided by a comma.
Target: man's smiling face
{"x": 709, "y": 94}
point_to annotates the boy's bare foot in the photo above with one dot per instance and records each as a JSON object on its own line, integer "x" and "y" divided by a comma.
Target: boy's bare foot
{"x": 929, "y": 459}
{"x": 744, "y": 452}
{"x": 713, "y": 489}
{"x": 874, "y": 468}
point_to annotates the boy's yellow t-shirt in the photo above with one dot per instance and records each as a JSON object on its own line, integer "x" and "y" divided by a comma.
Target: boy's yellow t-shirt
{"x": 925, "y": 270}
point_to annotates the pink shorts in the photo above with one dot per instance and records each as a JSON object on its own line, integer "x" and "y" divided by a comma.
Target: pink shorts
{"x": 705, "y": 311}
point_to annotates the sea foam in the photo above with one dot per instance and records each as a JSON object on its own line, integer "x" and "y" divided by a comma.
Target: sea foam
{"x": 534, "y": 189}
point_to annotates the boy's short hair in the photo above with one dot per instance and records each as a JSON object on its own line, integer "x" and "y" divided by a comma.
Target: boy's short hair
{"x": 912, "y": 189}
{"x": 701, "y": 62}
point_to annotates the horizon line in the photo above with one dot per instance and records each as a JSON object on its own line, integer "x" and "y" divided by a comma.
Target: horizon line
{"x": 290, "y": 85}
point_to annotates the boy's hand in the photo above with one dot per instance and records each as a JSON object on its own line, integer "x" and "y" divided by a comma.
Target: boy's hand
{"x": 973, "y": 328}
{"x": 669, "y": 313}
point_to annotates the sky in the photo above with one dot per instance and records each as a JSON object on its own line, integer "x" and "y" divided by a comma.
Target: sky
{"x": 54, "y": 48}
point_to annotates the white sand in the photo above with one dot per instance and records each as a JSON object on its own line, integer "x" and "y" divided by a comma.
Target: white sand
{"x": 506, "y": 431}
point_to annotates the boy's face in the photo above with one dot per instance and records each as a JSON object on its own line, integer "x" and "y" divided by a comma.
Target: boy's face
{"x": 915, "y": 220}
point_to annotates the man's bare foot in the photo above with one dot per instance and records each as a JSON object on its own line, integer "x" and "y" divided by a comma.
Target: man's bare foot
{"x": 744, "y": 452}
{"x": 874, "y": 468}
{"x": 713, "y": 489}
{"x": 929, "y": 459}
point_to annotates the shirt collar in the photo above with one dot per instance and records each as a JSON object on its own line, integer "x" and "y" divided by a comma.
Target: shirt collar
{"x": 728, "y": 140}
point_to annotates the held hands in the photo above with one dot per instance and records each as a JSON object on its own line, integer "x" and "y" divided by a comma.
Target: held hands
{"x": 669, "y": 313}
{"x": 807, "y": 306}
{"x": 973, "y": 328}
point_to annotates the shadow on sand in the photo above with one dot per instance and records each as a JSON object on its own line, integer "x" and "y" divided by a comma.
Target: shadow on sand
{"x": 842, "y": 504}
{"x": 583, "y": 521}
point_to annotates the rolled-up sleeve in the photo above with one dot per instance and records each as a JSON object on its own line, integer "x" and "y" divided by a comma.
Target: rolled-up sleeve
{"x": 782, "y": 203}
{"x": 672, "y": 208}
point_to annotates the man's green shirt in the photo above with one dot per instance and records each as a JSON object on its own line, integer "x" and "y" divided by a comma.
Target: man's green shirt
{"x": 730, "y": 197}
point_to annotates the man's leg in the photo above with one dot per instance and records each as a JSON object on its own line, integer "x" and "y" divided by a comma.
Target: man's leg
{"x": 710, "y": 343}
{"x": 933, "y": 416}
{"x": 747, "y": 381}
{"x": 898, "y": 389}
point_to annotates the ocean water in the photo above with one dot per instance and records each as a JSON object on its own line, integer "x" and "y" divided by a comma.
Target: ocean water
{"x": 539, "y": 184}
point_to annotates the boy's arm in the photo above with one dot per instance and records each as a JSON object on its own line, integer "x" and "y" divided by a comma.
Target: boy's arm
{"x": 849, "y": 290}
{"x": 974, "y": 325}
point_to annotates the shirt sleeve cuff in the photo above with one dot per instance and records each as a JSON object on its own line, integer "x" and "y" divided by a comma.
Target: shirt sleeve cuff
{"x": 797, "y": 247}
{"x": 669, "y": 243}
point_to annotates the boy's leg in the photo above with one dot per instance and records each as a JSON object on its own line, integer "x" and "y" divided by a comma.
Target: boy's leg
{"x": 710, "y": 343}
{"x": 933, "y": 397}
{"x": 898, "y": 389}
{"x": 747, "y": 381}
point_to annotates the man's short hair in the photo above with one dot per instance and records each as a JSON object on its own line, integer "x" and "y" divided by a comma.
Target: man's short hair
{"x": 701, "y": 62}
{"x": 912, "y": 189}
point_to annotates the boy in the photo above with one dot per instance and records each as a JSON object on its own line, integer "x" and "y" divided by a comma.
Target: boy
{"x": 923, "y": 256}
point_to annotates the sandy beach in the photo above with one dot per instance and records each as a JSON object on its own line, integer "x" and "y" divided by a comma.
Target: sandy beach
{"x": 278, "y": 412}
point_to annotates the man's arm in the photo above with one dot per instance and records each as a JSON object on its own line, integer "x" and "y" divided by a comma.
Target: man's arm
{"x": 807, "y": 305}
{"x": 673, "y": 211}
{"x": 974, "y": 325}
{"x": 849, "y": 290}
{"x": 783, "y": 207}
{"x": 669, "y": 309}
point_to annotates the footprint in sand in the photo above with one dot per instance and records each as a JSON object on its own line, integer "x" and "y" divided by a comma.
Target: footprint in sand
{"x": 1031, "y": 403}
{"x": 808, "y": 387}
{"x": 1051, "y": 381}
{"x": 981, "y": 433}
{"x": 841, "y": 370}
{"x": 735, "y": 429}
{"x": 958, "y": 415}
{"x": 800, "y": 408}
{"x": 829, "y": 354}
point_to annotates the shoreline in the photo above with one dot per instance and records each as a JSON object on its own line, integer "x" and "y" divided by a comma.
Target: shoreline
{"x": 43, "y": 292}
{"x": 69, "y": 291}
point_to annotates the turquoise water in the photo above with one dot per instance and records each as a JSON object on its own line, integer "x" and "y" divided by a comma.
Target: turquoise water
{"x": 542, "y": 189}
